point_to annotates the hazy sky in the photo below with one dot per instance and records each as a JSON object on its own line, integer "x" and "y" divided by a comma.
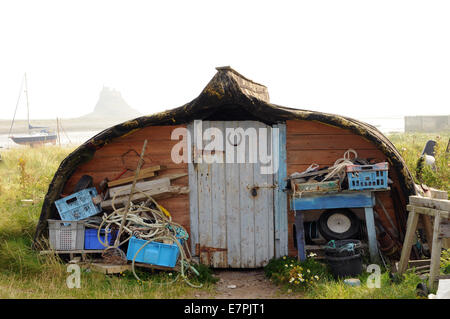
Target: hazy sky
{"x": 356, "y": 58}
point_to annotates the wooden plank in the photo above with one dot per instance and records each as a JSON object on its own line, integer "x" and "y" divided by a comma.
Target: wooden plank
{"x": 419, "y": 263}
{"x": 108, "y": 164}
{"x": 193, "y": 194}
{"x": 152, "y": 133}
{"x": 436, "y": 253}
{"x": 270, "y": 204}
{"x": 141, "y": 186}
{"x": 300, "y": 236}
{"x": 130, "y": 179}
{"x": 109, "y": 268}
{"x": 280, "y": 197}
{"x": 428, "y": 211}
{"x": 247, "y": 210}
{"x": 316, "y": 187}
{"x": 313, "y": 127}
{"x": 261, "y": 212}
{"x": 438, "y": 194}
{"x": 371, "y": 235}
{"x": 50, "y": 252}
{"x": 204, "y": 205}
{"x": 332, "y": 201}
{"x": 411, "y": 228}
{"x": 439, "y": 204}
{"x": 327, "y": 141}
{"x": 233, "y": 210}
{"x": 219, "y": 227}
{"x": 328, "y": 157}
{"x": 155, "y": 193}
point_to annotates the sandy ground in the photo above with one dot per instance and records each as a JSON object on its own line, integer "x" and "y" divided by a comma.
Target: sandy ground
{"x": 249, "y": 284}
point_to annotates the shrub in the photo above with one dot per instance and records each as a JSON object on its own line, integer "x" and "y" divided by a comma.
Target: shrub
{"x": 296, "y": 274}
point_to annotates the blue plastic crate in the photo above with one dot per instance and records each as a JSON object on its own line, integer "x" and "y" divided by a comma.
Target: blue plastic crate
{"x": 91, "y": 239}
{"x": 362, "y": 177}
{"x": 78, "y": 205}
{"x": 154, "y": 253}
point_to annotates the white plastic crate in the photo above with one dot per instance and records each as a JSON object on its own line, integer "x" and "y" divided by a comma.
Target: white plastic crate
{"x": 65, "y": 235}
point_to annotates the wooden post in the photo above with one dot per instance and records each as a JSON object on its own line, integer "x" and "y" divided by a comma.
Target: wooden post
{"x": 300, "y": 232}
{"x": 427, "y": 225}
{"x": 411, "y": 227}
{"x": 436, "y": 254}
{"x": 371, "y": 235}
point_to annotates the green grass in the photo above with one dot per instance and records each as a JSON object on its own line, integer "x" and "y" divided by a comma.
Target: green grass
{"x": 410, "y": 146}
{"x": 280, "y": 272}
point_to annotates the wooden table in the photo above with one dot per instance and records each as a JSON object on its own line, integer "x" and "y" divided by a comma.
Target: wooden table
{"x": 343, "y": 199}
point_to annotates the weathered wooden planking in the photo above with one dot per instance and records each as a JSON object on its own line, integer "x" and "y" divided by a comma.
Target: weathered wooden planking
{"x": 156, "y": 193}
{"x": 232, "y": 182}
{"x": 125, "y": 150}
{"x": 247, "y": 207}
{"x": 140, "y": 186}
{"x": 144, "y": 173}
{"x": 312, "y": 127}
{"x": 109, "y": 269}
{"x": 262, "y": 211}
{"x": 332, "y": 201}
{"x": 280, "y": 197}
{"x": 239, "y": 223}
{"x": 438, "y": 194}
{"x": 328, "y": 142}
{"x": 113, "y": 163}
{"x": 193, "y": 196}
{"x": 439, "y": 204}
{"x": 204, "y": 206}
{"x": 152, "y": 133}
{"x": 219, "y": 229}
{"x": 130, "y": 179}
{"x": 327, "y": 157}
{"x": 428, "y": 211}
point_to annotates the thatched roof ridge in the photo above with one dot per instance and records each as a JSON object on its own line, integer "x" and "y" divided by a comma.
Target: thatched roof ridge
{"x": 226, "y": 88}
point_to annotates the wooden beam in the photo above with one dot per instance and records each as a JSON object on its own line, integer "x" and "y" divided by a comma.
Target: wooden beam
{"x": 438, "y": 204}
{"x": 411, "y": 227}
{"x": 332, "y": 201}
{"x": 428, "y": 211}
{"x": 141, "y": 186}
{"x": 88, "y": 251}
{"x": 109, "y": 268}
{"x": 127, "y": 180}
{"x": 139, "y": 197}
{"x": 438, "y": 194}
{"x": 436, "y": 253}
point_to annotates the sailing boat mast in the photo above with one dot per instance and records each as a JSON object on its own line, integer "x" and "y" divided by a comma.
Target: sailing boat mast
{"x": 28, "y": 107}
{"x": 15, "y": 110}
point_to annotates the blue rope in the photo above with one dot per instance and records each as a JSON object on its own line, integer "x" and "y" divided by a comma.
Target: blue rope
{"x": 347, "y": 247}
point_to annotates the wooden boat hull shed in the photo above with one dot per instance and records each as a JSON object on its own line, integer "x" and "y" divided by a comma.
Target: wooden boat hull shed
{"x": 236, "y": 215}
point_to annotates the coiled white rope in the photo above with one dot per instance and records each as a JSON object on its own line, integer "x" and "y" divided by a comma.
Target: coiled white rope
{"x": 339, "y": 167}
{"x": 151, "y": 225}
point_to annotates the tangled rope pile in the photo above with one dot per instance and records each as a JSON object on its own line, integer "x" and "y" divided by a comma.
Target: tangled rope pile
{"x": 151, "y": 222}
{"x": 339, "y": 166}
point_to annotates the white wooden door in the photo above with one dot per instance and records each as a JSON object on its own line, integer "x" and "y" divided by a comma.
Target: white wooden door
{"x": 232, "y": 208}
